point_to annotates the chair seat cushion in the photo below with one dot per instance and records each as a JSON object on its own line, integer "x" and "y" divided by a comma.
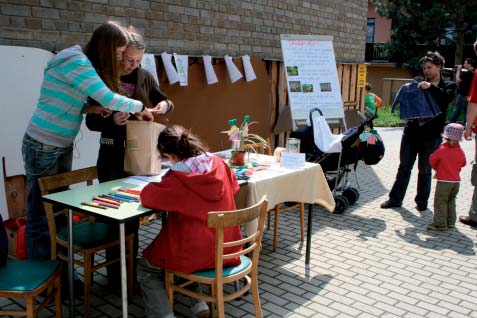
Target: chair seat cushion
{"x": 89, "y": 234}
{"x": 228, "y": 271}
{"x": 26, "y": 275}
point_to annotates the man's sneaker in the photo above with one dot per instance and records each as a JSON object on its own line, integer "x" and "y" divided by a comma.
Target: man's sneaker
{"x": 200, "y": 309}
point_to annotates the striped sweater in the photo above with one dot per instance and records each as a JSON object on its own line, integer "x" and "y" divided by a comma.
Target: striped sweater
{"x": 69, "y": 78}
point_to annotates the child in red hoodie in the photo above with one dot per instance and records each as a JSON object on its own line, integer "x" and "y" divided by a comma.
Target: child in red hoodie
{"x": 447, "y": 161}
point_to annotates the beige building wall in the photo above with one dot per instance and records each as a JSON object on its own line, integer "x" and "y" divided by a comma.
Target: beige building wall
{"x": 192, "y": 27}
{"x": 382, "y": 31}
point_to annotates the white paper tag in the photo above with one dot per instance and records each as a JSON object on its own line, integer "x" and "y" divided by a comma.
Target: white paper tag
{"x": 170, "y": 70}
{"x": 149, "y": 64}
{"x": 182, "y": 66}
{"x": 292, "y": 160}
{"x": 234, "y": 72}
{"x": 248, "y": 68}
{"x": 209, "y": 70}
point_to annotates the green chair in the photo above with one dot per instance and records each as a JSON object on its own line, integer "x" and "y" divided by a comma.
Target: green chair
{"x": 89, "y": 237}
{"x": 28, "y": 279}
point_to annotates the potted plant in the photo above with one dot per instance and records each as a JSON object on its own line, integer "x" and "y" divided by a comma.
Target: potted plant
{"x": 242, "y": 140}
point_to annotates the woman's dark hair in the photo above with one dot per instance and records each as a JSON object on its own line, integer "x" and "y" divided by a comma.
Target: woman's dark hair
{"x": 101, "y": 51}
{"x": 433, "y": 57}
{"x": 178, "y": 141}
{"x": 368, "y": 87}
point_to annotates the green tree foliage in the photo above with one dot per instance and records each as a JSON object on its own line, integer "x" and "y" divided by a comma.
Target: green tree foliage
{"x": 418, "y": 26}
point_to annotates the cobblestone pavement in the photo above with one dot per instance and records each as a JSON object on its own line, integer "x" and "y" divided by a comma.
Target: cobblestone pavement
{"x": 367, "y": 262}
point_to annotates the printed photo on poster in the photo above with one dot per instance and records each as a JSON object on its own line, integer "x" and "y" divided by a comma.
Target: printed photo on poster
{"x": 307, "y": 88}
{"x": 295, "y": 86}
{"x": 325, "y": 87}
{"x": 292, "y": 70}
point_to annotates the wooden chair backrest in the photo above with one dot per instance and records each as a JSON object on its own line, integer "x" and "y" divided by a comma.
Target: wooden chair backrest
{"x": 251, "y": 243}
{"x": 57, "y": 183}
{"x": 16, "y": 192}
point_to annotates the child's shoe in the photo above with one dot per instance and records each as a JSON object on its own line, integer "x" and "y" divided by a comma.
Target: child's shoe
{"x": 436, "y": 228}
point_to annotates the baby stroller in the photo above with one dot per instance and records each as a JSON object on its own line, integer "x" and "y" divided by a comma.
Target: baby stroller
{"x": 337, "y": 155}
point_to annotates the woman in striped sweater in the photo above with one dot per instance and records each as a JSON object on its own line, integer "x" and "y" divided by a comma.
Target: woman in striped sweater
{"x": 69, "y": 79}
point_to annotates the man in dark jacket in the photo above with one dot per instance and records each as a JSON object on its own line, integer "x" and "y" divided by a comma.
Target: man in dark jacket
{"x": 464, "y": 78}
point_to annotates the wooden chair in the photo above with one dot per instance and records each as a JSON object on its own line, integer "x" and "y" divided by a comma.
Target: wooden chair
{"x": 27, "y": 279}
{"x": 280, "y": 207}
{"x": 15, "y": 192}
{"x": 218, "y": 277}
{"x": 88, "y": 237}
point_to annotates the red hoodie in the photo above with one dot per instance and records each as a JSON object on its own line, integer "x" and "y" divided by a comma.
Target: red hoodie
{"x": 185, "y": 243}
{"x": 448, "y": 161}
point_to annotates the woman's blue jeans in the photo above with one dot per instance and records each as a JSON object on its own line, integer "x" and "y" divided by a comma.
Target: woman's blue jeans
{"x": 40, "y": 160}
{"x": 411, "y": 148}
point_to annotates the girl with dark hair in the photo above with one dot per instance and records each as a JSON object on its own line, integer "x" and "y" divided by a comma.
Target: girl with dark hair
{"x": 197, "y": 183}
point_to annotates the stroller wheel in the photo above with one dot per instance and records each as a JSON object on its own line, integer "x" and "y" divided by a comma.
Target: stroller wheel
{"x": 352, "y": 195}
{"x": 341, "y": 204}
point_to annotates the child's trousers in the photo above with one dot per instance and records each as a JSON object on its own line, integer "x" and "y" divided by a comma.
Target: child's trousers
{"x": 444, "y": 204}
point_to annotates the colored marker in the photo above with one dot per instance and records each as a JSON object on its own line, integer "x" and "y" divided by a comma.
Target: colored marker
{"x": 109, "y": 205}
{"x": 122, "y": 198}
{"x": 105, "y": 200}
{"x": 94, "y": 205}
{"x": 110, "y": 198}
{"x": 136, "y": 192}
{"x": 127, "y": 194}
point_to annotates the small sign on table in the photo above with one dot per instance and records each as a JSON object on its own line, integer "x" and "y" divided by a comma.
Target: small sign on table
{"x": 292, "y": 160}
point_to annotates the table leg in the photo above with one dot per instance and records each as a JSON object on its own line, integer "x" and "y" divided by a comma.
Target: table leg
{"x": 308, "y": 234}
{"x": 124, "y": 290}
{"x": 71, "y": 263}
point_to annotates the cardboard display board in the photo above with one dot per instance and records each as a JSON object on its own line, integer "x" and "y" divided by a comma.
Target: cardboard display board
{"x": 206, "y": 109}
{"x": 20, "y": 88}
{"x": 312, "y": 77}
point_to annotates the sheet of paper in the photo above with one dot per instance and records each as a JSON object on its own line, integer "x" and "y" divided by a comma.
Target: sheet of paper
{"x": 171, "y": 72}
{"x": 234, "y": 72}
{"x": 144, "y": 180}
{"x": 182, "y": 66}
{"x": 148, "y": 63}
{"x": 248, "y": 68}
{"x": 209, "y": 70}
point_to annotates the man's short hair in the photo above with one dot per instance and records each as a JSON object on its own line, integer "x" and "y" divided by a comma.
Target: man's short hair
{"x": 433, "y": 57}
{"x": 471, "y": 61}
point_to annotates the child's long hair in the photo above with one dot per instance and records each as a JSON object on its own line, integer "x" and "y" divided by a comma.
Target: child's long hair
{"x": 178, "y": 141}
{"x": 101, "y": 51}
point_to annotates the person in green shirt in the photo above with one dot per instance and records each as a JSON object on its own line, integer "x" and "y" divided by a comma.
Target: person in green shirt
{"x": 371, "y": 102}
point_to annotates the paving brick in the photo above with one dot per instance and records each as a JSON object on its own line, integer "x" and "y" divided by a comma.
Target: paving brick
{"x": 398, "y": 270}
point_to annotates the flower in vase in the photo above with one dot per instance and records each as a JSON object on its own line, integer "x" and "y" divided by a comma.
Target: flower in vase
{"x": 240, "y": 136}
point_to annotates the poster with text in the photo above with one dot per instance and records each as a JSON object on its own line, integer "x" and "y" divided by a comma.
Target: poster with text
{"x": 312, "y": 77}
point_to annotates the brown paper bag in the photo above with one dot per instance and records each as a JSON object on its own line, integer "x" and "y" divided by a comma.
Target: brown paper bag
{"x": 142, "y": 157}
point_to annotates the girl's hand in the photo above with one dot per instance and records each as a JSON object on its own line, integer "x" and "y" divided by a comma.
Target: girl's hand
{"x": 161, "y": 108}
{"x": 120, "y": 118}
{"x": 145, "y": 115}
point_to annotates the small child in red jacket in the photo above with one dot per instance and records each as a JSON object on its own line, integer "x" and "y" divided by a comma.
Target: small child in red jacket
{"x": 447, "y": 161}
